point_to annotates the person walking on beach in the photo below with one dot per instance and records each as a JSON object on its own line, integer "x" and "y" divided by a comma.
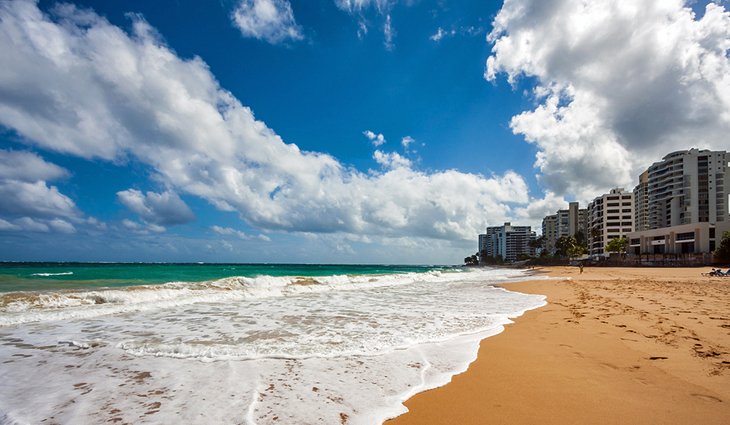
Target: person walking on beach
{"x": 580, "y": 265}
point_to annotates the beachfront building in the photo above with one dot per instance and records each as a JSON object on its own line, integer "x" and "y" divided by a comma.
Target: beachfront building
{"x": 641, "y": 203}
{"x": 686, "y": 204}
{"x": 611, "y": 215}
{"x": 566, "y": 222}
{"x": 694, "y": 238}
{"x": 688, "y": 187}
{"x": 572, "y": 220}
{"x": 549, "y": 233}
{"x": 508, "y": 242}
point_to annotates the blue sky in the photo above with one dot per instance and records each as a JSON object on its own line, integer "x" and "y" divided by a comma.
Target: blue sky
{"x": 335, "y": 131}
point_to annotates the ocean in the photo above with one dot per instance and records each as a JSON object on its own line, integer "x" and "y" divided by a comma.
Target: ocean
{"x": 238, "y": 343}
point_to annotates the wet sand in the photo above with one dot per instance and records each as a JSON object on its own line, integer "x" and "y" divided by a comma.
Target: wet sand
{"x": 613, "y": 346}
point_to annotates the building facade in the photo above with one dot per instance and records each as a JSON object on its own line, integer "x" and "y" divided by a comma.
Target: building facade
{"x": 641, "y": 203}
{"x": 693, "y": 238}
{"x": 567, "y": 222}
{"x": 508, "y": 242}
{"x": 549, "y": 233}
{"x": 688, "y": 187}
{"x": 686, "y": 205}
{"x": 611, "y": 215}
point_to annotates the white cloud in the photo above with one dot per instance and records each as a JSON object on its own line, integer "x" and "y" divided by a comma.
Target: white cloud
{"x": 406, "y": 142}
{"x": 469, "y": 31}
{"x": 227, "y": 231}
{"x": 270, "y": 20}
{"x": 159, "y": 208}
{"x": 358, "y": 5}
{"x": 28, "y": 203}
{"x": 441, "y": 33}
{"x": 142, "y": 228}
{"x": 388, "y": 33}
{"x": 620, "y": 84}
{"x": 375, "y": 139}
{"x": 382, "y": 9}
{"x": 83, "y": 87}
{"x": 30, "y": 225}
{"x": 391, "y": 160}
{"x": 28, "y": 167}
{"x": 61, "y": 226}
{"x": 6, "y": 226}
{"x": 34, "y": 199}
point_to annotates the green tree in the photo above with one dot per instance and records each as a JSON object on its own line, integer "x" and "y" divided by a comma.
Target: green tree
{"x": 576, "y": 250}
{"x": 471, "y": 260}
{"x": 564, "y": 244}
{"x": 722, "y": 252}
{"x": 616, "y": 245}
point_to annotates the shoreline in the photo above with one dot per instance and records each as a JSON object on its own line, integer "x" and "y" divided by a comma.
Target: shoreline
{"x": 614, "y": 345}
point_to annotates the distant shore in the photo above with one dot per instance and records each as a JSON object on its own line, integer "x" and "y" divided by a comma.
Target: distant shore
{"x": 613, "y": 346}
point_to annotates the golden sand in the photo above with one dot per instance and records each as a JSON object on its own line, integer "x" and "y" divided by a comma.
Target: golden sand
{"x": 613, "y": 346}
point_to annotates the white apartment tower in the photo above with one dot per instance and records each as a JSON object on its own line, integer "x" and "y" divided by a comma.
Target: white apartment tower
{"x": 686, "y": 204}
{"x": 688, "y": 187}
{"x": 610, "y": 216}
{"x": 508, "y": 242}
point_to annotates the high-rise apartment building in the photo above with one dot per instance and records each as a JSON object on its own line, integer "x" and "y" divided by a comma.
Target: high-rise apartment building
{"x": 508, "y": 242}
{"x": 611, "y": 216}
{"x": 572, "y": 220}
{"x": 688, "y": 187}
{"x": 564, "y": 223}
{"x": 641, "y": 203}
{"x": 549, "y": 233}
{"x": 686, "y": 205}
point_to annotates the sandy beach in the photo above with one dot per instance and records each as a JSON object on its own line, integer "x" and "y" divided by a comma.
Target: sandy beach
{"x": 613, "y": 346}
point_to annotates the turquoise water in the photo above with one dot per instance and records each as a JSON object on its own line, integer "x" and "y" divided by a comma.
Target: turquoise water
{"x": 54, "y": 276}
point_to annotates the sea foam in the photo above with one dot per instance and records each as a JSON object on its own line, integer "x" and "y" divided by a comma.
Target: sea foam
{"x": 256, "y": 350}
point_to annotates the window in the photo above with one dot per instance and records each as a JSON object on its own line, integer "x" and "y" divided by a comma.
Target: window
{"x": 685, "y": 236}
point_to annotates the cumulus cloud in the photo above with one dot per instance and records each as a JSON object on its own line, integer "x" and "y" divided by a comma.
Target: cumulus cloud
{"x": 270, "y": 20}
{"x": 619, "y": 84}
{"x": 164, "y": 208}
{"x": 28, "y": 167}
{"x": 75, "y": 84}
{"x": 227, "y": 231}
{"x": 375, "y": 139}
{"x": 391, "y": 160}
{"x": 28, "y": 203}
{"x": 25, "y": 192}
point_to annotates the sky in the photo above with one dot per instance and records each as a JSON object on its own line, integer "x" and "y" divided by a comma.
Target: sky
{"x": 336, "y": 131}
